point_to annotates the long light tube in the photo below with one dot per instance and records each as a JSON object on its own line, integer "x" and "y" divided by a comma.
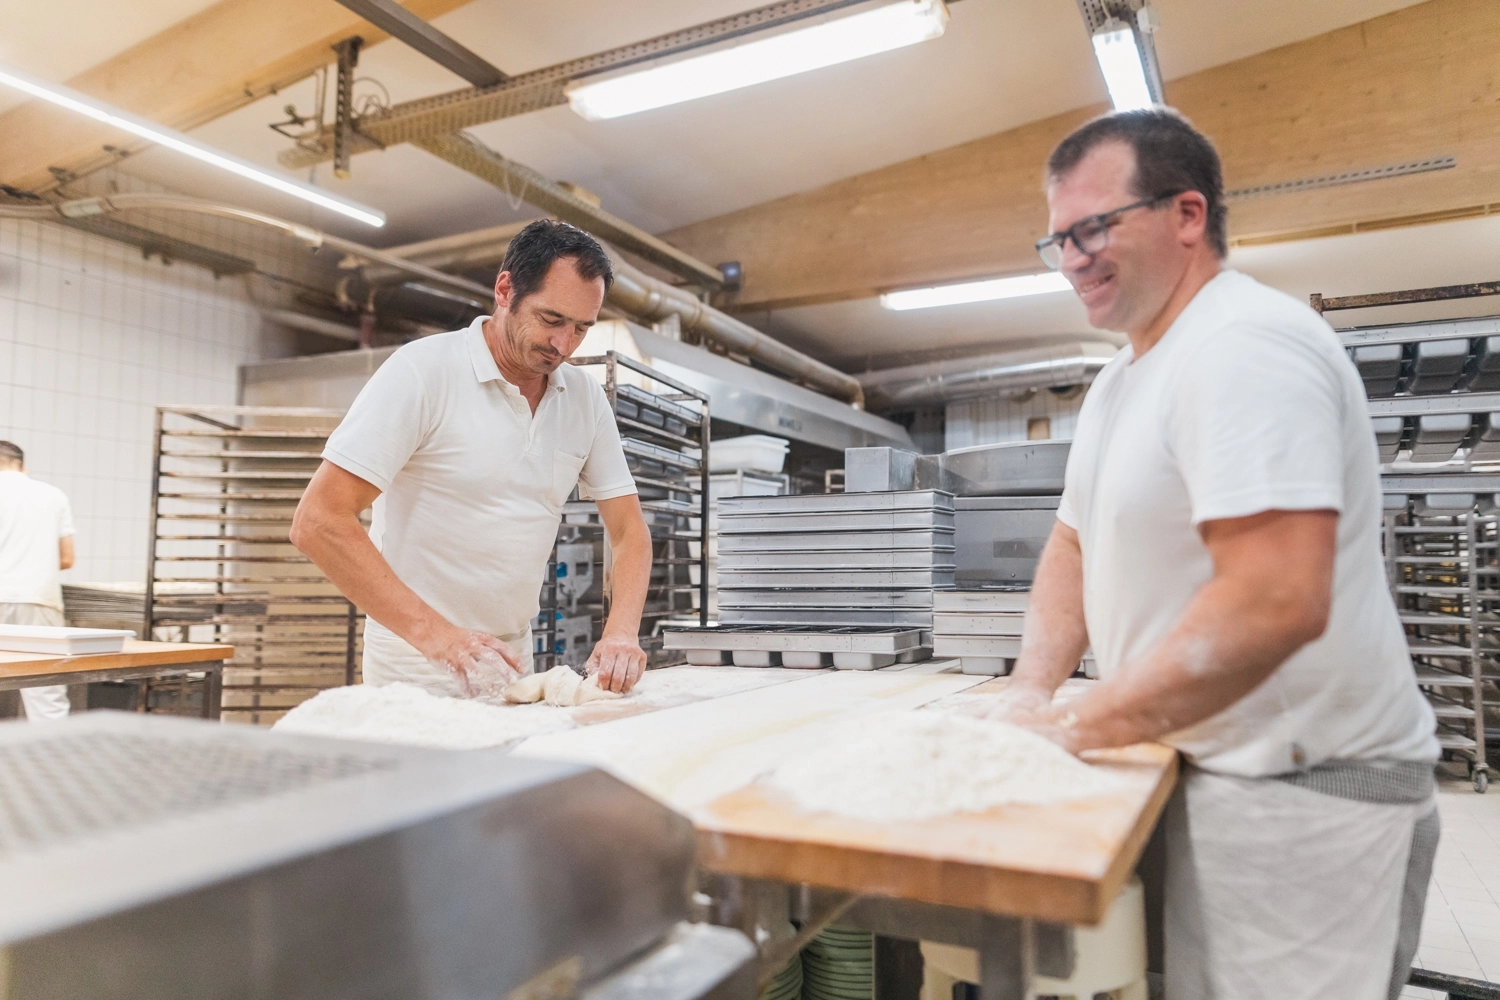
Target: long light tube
{"x": 66, "y": 97}
{"x": 1124, "y": 70}
{"x": 976, "y": 291}
{"x": 828, "y": 42}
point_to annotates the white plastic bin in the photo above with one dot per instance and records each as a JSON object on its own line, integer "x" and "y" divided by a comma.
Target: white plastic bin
{"x": 752, "y": 451}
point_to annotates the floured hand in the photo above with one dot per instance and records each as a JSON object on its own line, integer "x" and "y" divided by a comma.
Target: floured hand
{"x": 482, "y": 663}
{"x": 617, "y": 662}
{"x": 559, "y": 686}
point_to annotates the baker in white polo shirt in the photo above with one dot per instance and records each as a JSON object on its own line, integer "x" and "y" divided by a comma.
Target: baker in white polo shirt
{"x": 468, "y": 444}
{"x": 1218, "y": 543}
{"x": 36, "y": 544}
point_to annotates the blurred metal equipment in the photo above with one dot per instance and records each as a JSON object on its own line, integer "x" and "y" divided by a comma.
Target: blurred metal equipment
{"x": 1011, "y": 468}
{"x": 968, "y": 378}
{"x": 871, "y": 470}
{"x": 146, "y": 857}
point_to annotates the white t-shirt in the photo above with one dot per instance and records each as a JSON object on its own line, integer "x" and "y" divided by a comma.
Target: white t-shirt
{"x": 33, "y": 518}
{"x": 472, "y": 483}
{"x": 1247, "y": 404}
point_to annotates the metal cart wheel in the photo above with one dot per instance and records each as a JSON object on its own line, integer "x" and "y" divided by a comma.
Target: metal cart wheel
{"x": 1481, "y": 779}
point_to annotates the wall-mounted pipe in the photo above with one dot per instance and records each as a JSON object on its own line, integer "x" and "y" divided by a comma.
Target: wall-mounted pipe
{"x": 647, "y": 298}
{"x": 638, "y": 293}
{"x": 967, "y": 378}
{"x": 108, "y": 205}
{"x": 311, "y": 324}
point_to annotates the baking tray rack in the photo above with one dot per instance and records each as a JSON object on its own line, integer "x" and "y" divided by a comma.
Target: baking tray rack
{"x": 872, "y": 599}
{"x": 835, "y": 521}
{"x": 832, "y": 578}
{"x": 838, "y": 560}
{"x": 935, "y": 539}
{"x": 806, "y": 647}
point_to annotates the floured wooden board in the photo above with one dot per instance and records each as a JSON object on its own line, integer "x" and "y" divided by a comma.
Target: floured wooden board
{"x": 1063, "y": 862}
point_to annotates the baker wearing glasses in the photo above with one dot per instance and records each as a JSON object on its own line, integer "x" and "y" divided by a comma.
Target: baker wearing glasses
{"x": 1218, "y": 544}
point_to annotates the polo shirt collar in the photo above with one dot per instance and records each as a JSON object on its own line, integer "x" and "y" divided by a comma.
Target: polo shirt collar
{"x": 485, "y": 369}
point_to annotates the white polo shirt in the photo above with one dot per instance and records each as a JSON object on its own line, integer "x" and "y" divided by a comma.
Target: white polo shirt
{"x": 1247, "y": 404}
{"x": 472, "y": 483}
{"x": 34, "y": 517}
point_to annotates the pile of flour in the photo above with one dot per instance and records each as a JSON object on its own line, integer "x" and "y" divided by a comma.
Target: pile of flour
{"x": 406, "y": 713}
{"x": 895, "y": 766}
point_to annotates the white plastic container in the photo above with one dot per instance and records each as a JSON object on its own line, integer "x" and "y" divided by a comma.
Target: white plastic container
{"x": 752, "y": 451}
{"x": 59, "y": 640}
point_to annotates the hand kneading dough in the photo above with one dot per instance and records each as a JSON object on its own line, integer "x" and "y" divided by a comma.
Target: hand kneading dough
{"x": 559, "y": 686}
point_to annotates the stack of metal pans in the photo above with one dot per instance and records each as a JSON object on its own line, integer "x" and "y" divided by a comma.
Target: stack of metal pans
{"x": 981, "y": 627}
{"x": 786, "y": 984}
{"x": 834, "y": 558}
{"x": 846, "y": 647}
{"x": 839, "y": 964}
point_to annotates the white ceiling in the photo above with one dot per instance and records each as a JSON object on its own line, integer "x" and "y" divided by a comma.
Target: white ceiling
{"x": 1002, "y": 63}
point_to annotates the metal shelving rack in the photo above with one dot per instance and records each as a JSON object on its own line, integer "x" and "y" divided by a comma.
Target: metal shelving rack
{"x": 664, "y": 429}
{"x": 1433, "y": 401}
{"x": 1438, "y": 567}
{"x": 225, "y": 483}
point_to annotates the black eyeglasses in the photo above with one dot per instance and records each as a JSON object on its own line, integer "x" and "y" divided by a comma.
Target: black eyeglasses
{"x": 1091, "y": 235}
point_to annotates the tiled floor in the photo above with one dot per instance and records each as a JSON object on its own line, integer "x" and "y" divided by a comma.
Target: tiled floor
{"x": 1461, "y": 932}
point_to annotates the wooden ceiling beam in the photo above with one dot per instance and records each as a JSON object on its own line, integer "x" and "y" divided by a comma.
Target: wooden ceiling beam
{"x": 220, "y": 59}
{"x": 1414, "y": 84}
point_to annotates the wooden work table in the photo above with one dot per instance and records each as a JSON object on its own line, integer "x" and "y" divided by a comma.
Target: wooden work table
{"x": 136, "y": 661}
{"x": 1000, "y": 880}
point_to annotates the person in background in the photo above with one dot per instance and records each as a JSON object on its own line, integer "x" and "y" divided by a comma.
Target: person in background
{"x": 1218, "y": 544}
{"x": 36, "y": 545}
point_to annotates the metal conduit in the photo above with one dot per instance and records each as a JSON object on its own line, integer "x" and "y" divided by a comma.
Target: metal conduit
{"x": 83, "y": 207}
{"x": 642, "y": 295}
{"x": 965, "y": 378}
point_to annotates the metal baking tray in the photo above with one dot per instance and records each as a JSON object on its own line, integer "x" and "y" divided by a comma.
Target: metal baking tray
{"x": 966, "y": 645}
{"x": 847, "y": 559}
{"x": 936, "y": 540}
{"x": 824, "y": 616}
{"x": 984, "y": 623}
{"x": 643, "y": 398}
{"x": 986, "y": 666}
{"x": 997, "y": 599}
{"x": 834, "y": 521}
{"x": 833, "y": 577}
{"x": 828, "y": 503}
{"x": 786, "y": 638}
{"x": 825, "y": 598}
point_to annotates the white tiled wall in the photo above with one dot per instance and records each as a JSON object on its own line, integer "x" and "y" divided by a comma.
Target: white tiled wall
{"x": 992, "y": 421}
{"x": 92, "y": 338}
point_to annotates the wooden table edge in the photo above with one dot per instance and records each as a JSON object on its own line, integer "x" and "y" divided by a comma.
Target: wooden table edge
{"x": 964, "y": 884}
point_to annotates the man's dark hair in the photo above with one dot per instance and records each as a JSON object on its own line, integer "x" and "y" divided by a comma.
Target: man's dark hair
{"x": 11, "y": 453}
{"x": 530, "y": 255}
{"x": 1170, "y": 155}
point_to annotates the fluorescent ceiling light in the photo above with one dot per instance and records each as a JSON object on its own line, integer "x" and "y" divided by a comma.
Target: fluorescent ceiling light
{"x": 1124, "y": 69}
{"x": 977, "y": 291}
{"x": 823, "y": 42}
{"x": 66, "y": 97}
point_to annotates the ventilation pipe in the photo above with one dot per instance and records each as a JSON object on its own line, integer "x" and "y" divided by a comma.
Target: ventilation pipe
{"x": 966, "y": 378}
{"x": 79, "y": 208}
{"x": 640, "y": 294}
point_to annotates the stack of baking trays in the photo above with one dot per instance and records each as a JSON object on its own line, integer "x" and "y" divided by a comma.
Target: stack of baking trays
{"x": 983, "y": 629}
{"x": 841, "y": 579}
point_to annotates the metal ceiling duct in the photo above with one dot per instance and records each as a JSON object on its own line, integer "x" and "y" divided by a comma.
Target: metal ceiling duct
{"x": 638, "y": 293}
{"x": 966, "y": 378}
{"x": 647, "y": 298}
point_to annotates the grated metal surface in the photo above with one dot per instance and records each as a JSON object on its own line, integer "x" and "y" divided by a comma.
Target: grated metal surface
{"x": 72, "y": 786}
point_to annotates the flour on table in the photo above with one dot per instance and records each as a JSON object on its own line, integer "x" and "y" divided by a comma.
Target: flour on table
{"x": 406, "y": 713}
{"x": 915, "y": 765}
{"x": 677, "y": 685}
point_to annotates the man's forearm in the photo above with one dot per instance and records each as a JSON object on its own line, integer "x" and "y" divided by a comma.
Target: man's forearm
{"x": 342, "y": 549}
{"x": 1055, "y": 636}
{"x": 630, "y": 578}
{"x": 1228, "y": 641}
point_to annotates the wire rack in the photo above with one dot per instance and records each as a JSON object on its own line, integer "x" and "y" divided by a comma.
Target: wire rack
{"x": 664, "y": 430}
{"x": 225, "y": 483}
